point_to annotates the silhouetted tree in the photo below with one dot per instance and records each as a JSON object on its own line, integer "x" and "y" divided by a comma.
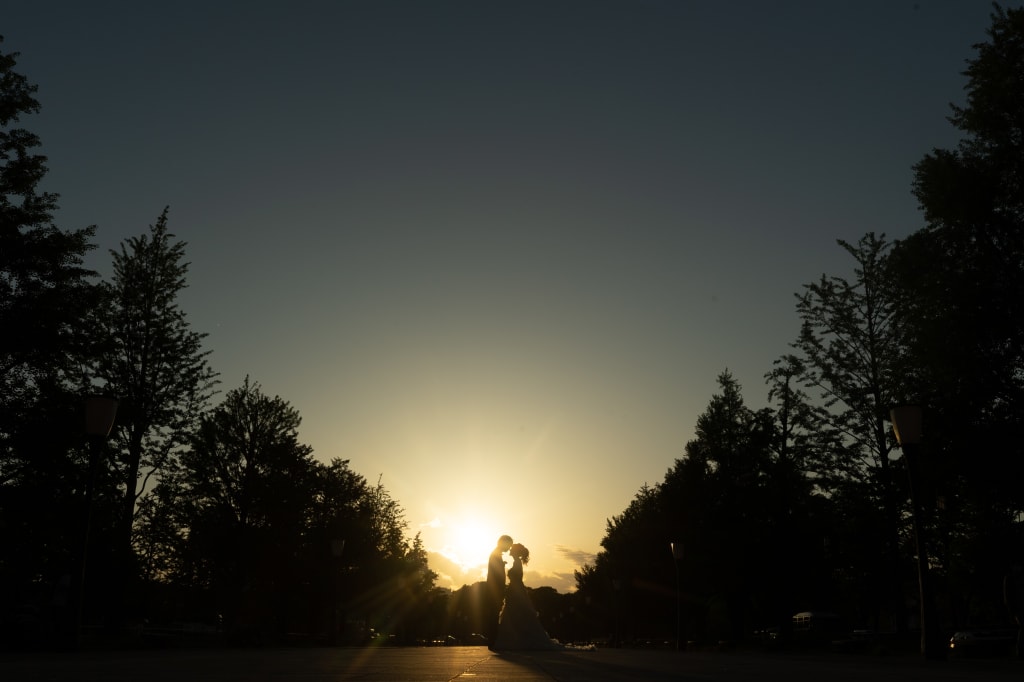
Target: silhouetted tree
{"x": 803, "y": 441}
{"x": 154, "y": 363}
{"x": 246, "y": 525}
{"x": 733, "y": 446}
{"x": 45, "y": 297}
{"x": 333, "y": 550}
{"x": 392, "y": 576}
{"x": 236, "y": 507}
{"x": 851, "y": 351}
{"x": 962, "y": 284}
{"x": 45, "y": 292}
{"x": 806, "y": 464}
{"x": 414, "y": 585}
{"x": 638, "y": 565}
{"x": 714, "y": 503}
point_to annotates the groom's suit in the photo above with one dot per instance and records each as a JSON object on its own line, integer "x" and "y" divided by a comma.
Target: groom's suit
{"x": 495, "y": 594}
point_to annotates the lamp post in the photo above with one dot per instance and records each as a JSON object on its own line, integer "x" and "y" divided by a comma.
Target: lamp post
{"x": 677, "y": 558}
{"x": 616, "y": 607}
{"x": 907, "y": 423}
{"x": 100, "y": 412}
{"x": 337, "y": 549}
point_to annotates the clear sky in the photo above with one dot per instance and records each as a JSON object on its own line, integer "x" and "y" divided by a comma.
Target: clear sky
{"x": 496, "y": 253}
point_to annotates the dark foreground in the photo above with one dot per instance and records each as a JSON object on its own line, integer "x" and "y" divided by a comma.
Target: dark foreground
{"x": 477, "y": 664}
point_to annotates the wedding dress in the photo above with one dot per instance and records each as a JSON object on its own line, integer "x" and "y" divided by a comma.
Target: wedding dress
{"x": 518, "y": 625}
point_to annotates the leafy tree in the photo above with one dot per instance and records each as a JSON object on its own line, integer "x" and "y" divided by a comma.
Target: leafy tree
{"x": 45, "y": 296}
{"x": 851, "y": 350}
{"x": 234, "y": 508}
{"x": 337, "y": 501}
{"x": 45, "y": 291}
{"x": 155, "y": 362}
{"x": 805, "y": 457}
{"x": 728, "y": 439}
{"x": 714, "y": 504}
{"x": 44, "y": 288}
{"x": 850, "y": 347}
{"x": 637, "y": 564}
{"x": 733, "y": 445}
{"x": 416, "y": 592}
{"x": 803, "y": 443}
{"x": 393, "y": 577}
{"x": 245, "y": 523}
{"x": 961, "y": 279}
{"x": 963, "y": 273}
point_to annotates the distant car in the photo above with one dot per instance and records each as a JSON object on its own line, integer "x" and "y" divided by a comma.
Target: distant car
{"x": 447, "y": 640}
{"x": 818, "y": 627}
{"x": 982, "y": 642}
{"x": 476, "y": 639}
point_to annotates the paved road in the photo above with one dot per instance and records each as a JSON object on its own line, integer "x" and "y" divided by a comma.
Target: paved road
{"x": 477, "y": 664}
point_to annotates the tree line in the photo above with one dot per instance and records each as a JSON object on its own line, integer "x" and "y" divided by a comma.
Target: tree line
{"x": 216, "y": 513}
{"x": 190, "y": 511}
{"x": 804, "y": 505}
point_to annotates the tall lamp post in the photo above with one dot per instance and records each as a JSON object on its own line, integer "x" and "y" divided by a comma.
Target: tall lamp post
{"x": 677, "y": 558}
{"x": 100, "y": 412}
{"x": 616, "y": 611}
{"x": 907, "y": 425}
{"x": 337, "y": 549}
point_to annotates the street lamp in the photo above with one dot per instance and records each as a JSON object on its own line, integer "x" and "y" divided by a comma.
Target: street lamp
{"x": 616, "y": 608}
{"x": 677, "y": 557}
{"x": 907, "y": 424}
{"x": 100, "y": 412}
{"x": 337, "y": 549}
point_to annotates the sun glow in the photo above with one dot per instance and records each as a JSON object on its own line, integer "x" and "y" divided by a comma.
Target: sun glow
{"x": 469, "y": 542}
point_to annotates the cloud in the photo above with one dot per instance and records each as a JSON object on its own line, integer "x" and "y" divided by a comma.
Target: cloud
{"x": 576, "y": 556}
{"x": 451, "y": 574}
{"x": 562, "y": 582}
{"x": 432, "y": 523}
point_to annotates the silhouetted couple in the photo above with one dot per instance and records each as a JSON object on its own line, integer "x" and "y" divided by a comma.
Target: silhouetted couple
{"x": 515, "y": 625}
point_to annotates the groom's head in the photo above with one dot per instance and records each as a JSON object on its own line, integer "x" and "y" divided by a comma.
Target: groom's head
{"x": 504, "y": 542}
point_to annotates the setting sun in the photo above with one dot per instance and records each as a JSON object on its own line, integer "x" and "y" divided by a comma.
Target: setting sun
{"x": 468, "y": 543}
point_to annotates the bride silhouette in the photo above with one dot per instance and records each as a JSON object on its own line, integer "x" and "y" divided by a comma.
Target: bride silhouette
{"x": 518, "y": 624}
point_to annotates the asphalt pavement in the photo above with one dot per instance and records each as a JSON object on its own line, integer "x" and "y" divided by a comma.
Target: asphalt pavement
{"x": 478, "y": 664}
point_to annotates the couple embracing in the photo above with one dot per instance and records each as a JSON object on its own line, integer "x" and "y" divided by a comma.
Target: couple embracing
{"x": 511, "y": 621}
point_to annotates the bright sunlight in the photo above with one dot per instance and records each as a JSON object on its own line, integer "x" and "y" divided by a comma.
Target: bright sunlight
{"x": 469, "y": 542}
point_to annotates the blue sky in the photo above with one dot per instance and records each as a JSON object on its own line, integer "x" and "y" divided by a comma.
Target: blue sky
{"x": 496, "y": 253}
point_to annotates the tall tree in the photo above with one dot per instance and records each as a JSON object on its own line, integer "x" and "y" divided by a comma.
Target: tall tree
{"x": 241, "y": 498}
{"x": 246, "y": 521}
{"x": 802, "y": 442}
{"x": 727, "y": 435}
{"x": 963, "y": 273}
{"x": 962, "y": 284}
{"x": 45, "y": 292}
{"x": 636, "y": 561}
{"x": 393, "y": 575}
{"x": 850, "y": 345}
{"x": 332, "y": 546}
{"x": 799, "y": 481}
{"x": 155, "y": 362}
{"x": 713, "y": 506}
{"x": 850, "y": 350}
{"x": 733, "y": 444}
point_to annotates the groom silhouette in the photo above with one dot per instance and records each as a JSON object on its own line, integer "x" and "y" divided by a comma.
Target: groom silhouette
{"x": 494, "y": 590}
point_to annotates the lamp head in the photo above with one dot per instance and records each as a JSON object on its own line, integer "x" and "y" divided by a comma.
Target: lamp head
{"x": 100, "y": 412}
{"x": 907, "y": 424}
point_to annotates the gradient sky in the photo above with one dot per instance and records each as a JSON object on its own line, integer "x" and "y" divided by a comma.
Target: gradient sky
{"x": 496, "y": 253}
